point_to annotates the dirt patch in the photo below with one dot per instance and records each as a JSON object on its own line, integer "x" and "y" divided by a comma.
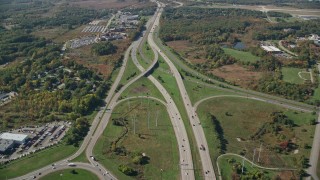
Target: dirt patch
{"x": 287, "y": 175}
{"x": 101, "y": 64}
{"x": 238, "y": 75}
{"x": 140, "y": 89}
{"x": 189, "y": 51}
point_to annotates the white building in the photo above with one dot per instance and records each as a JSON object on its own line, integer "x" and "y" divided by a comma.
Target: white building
{"x": 271, "y": 49}
{"x": 17, "y": 138}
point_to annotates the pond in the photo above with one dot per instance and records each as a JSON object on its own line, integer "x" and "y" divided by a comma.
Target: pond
{"x": 239, "y": 46}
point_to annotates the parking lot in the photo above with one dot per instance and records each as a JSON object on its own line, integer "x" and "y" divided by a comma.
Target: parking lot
{"x": 39, "y": 137}
{"x": 94, "y": 29}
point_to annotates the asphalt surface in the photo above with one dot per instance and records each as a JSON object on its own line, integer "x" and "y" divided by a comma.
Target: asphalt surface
{"x": 186, "y": 162}
{"x": 201, "y": 141}
{"x": 314, "y": 155}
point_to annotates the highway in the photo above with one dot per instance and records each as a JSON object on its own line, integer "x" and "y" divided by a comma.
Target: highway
{"x": 186, "y": 162}
{"x": 314, "y": 155}
{"x": 198, "y": 132}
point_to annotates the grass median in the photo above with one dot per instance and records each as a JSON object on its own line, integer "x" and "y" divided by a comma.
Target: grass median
{"x": 129, "y": 135}
{"x": 67, "y": 174}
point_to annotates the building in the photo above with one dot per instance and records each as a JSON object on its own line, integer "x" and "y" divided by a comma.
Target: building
{"x": 271, "y": 49}
{"x": 17, "y": 138}
{"x": 5, "y": 145}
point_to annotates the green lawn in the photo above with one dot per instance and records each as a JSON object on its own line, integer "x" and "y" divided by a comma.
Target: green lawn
{"x": 69, "y": 174}
{"x": 142, "y": 87}
{"x": 291, "y": 75}
{"x": 241, "y": 55}
{"x": 197, "y": 92}
{"x": 130, "y": 72}
{"x": 158, "y": 142}
{"x": 36, "y": 161}
{"x": 81, "y": 158}
{"x": 241, "y": 118}
{"x": 147, "y": 51}
{"x": 143, "y": 62}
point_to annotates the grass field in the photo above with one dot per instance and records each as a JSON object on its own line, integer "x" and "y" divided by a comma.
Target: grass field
{"x": 241, "y": 55}
{"x": 142, "y": 87}
{"x": 291, "y": 75}
{"x": 227, "y": 168}
{"x": 147, "y": 51}
{"x": 69, "y": 174}
{"x": 158, "y": 142}
{"x": 241, "y": 118}
{"x": 36, "y": 161}
{"x": 130, "y": 72}
{"x": 197, "y": 92}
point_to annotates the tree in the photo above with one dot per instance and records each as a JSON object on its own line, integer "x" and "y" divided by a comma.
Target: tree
{"x": 103, "y": 48}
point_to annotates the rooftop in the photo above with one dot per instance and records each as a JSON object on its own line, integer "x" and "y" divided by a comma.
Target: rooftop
{"x": 14, "y": 137}
{"x": 270, "y": 49}
{"x": 5, "y": 144}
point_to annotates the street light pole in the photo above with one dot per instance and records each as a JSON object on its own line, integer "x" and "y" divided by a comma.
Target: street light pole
{"x": 148, "y": 114}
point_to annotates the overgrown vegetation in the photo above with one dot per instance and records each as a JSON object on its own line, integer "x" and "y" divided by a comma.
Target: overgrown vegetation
{"x": 197, "y": 35}
{"x": 103, "y": 48}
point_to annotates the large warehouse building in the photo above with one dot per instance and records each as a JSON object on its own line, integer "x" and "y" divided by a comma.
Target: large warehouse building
{"x": 5, "y": 145}
{"x": 17, "y": 138}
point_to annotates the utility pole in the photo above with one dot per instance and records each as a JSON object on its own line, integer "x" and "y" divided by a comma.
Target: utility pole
{"x": 260, "y": 152}
{"x": 242, "y": 165}
{"x": 129, "y": 105}
{"x": 157, "y": 113}
{"x": 148, "y": 114}
{"x": 134, "y": 125}
{"x": 254, "y": 152}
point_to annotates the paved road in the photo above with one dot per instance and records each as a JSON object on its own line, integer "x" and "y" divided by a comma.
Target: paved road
{"x": 113, "y": 97}
{"x": 91, "y": 131}
{"x": 186, "y": 163}
{"x": 64, "y": 165}
{"x": 256, "y": 165}
{"x": 207, "y": 166}
{"x": 249, "y": 97}
{"x": 285, "y": 49}
{"x": 314, "y": 156}
{"x": 227, "y": 86}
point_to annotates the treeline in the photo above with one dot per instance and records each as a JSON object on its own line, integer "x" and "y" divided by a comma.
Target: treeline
{"x": 271, "y": 82}
{"x": 205, "y": 26}
{"x": 134, "y": 34}
{"x": 297, "y": 3}
{"x": 103, "y": 48}
{"x": 299, "y": 29}
{"x": 68, "y": 16}
{"x": 50, "y": 89}
{"x": 17, "y": 43}
{"x": 217, "y": 56}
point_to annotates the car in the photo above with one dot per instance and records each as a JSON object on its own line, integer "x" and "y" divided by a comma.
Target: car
{"x": 71, "y": 164}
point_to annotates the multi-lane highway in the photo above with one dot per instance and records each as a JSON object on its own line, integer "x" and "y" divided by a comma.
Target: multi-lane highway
{"x": 112, "y": 100}
{"x": 186, "y": 163}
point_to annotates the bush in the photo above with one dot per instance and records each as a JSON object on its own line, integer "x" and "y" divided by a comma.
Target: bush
{"x": 127, "y": 170}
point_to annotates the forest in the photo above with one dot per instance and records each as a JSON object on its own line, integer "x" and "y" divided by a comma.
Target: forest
{"x": 207, "y": 30}
{"x": 49, "y": 87}
{"x": 296, "y": 3}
